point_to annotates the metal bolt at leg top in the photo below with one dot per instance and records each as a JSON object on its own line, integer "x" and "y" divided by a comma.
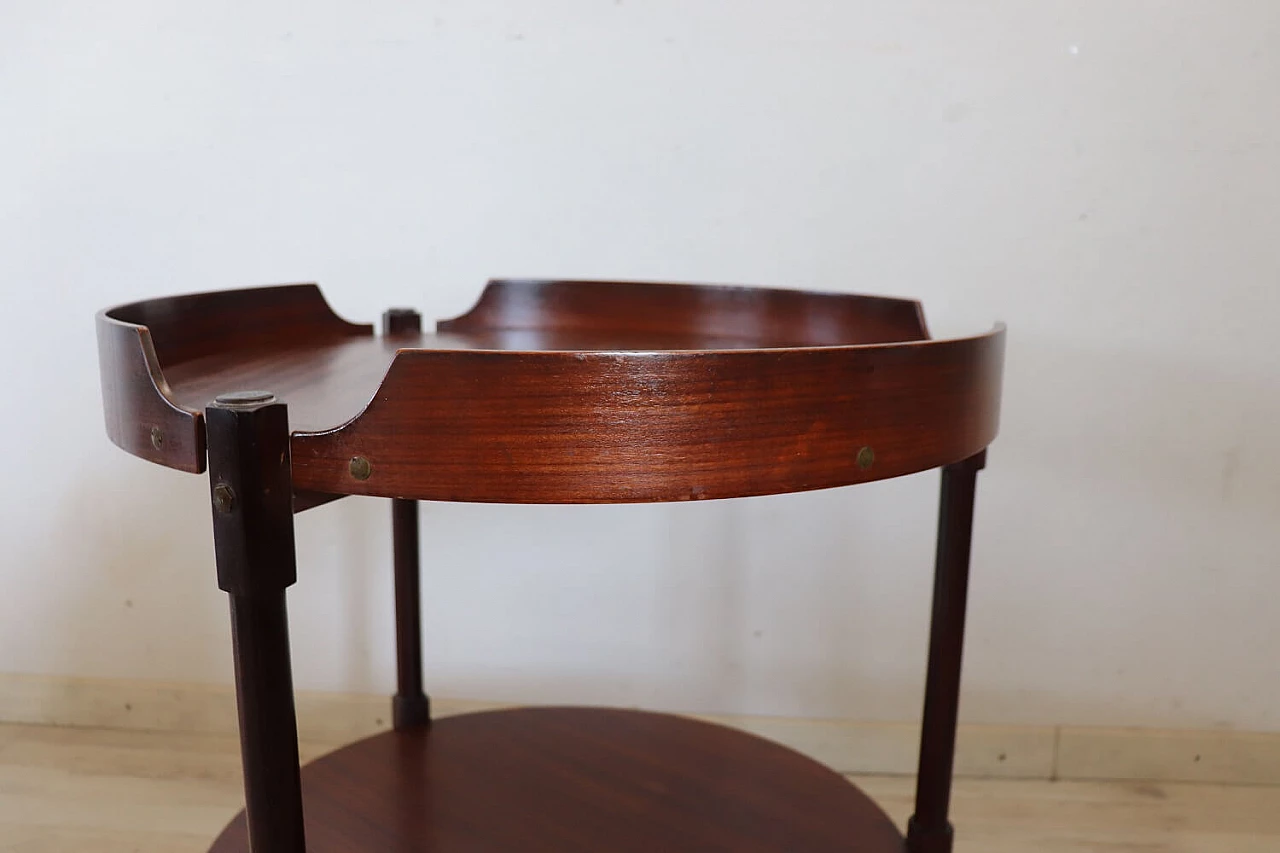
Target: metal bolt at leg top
{"x": 244, "y": 398}
{"x": 224, "y": 499}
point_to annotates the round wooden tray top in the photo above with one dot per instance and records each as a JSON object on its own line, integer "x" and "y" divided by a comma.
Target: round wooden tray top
{"x": 578, "y": 780}
{"x": 563, "y": 392}
{"x": 549, "y": 392}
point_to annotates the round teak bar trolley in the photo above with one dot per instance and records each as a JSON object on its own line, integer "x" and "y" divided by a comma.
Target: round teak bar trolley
{"x": 547, "y": 392}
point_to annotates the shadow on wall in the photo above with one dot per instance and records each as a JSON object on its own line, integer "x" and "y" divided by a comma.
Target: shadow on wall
{"x": 1124, "y": 571}
{"x": 1124, "y": 575}
{"x": 341, "y": 611}
{"x": 760, "y": 605}
{"x": 1154, "y": 429}
{"x": 135, "y": 592}
{"x": 1125, "y": 562}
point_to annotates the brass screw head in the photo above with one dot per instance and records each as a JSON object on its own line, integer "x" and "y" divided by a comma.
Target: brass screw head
{"x": 224, "y": 499}
{"x": 866, "y": 458}
{"x": 157, "y": 438}
{"x": 360, "y": 468}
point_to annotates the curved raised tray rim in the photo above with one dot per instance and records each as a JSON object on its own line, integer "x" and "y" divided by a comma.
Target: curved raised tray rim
{"x": 506, "y": 303}
{"x": 595, "y": 468}
{"x": 565, "y": 426}
{"x": 153, "y": 426}
{"x": 143, "y": 414}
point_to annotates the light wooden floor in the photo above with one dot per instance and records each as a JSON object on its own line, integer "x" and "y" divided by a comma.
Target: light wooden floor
{"x": 67, "y": 790}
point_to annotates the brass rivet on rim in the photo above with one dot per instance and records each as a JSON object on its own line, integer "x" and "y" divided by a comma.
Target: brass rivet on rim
{"x": 360, "y": 468}
{"x": 866, "y": 458}
{"x": 157, "y": 438}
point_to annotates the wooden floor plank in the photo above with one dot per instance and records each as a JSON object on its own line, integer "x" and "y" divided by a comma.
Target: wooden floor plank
{"x": 113, "y": 791}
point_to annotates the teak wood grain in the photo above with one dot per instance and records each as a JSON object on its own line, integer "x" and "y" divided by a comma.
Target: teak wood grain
{"x": 579, "y": 780}
{"x": 566, "y": 392}
{"x": 555, "y": 427}
{"x": 549, "y": 392}
{"x": 138, "y": 342}
{"x": 754, "y": 316}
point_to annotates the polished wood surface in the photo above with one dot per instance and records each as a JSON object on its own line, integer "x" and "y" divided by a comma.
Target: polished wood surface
{"x": 142, "y": 416}
{"x": 756, "y": 316}
{"x": 568, "y": 392}
{"x": 549, "y": 392}
{"x": 930, "y": 830}
{"x": 578, "y": 780}
{"x": 256, "y": 562}
{"x": 410, "y": 706}
{"x": 586, "y": 427}
{"x": 73, "y": 789}
{"x": 139, "y": 342}
{"x": 200, "y": 324}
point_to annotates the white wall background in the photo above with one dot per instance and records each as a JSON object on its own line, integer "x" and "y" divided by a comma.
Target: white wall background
{"x": 1103, "y": 176}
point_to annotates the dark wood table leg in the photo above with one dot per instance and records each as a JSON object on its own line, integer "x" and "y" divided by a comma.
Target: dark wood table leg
{"x": 249, "y": 478}
{"x": 929, "y": 830}
{"x": 410, "y": 707}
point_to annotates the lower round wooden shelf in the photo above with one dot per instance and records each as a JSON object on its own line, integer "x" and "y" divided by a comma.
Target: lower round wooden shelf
{"x": 579, "y": 780}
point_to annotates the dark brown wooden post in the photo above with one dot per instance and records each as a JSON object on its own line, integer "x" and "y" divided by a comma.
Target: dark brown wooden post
{"x": 929, "y": 830}
{"x": 249, "y": 479}
{"x": 410, "y": 706}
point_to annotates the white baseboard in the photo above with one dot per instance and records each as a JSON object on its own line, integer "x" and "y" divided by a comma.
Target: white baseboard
{"x": 849, "y": 746}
